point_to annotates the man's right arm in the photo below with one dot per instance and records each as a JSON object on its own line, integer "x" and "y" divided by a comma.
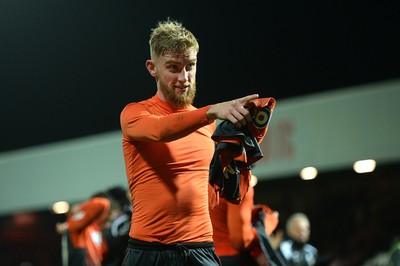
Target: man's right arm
{"x": 140, "y": 125}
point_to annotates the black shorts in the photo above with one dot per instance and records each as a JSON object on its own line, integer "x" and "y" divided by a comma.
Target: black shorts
{"x": 179, "y": 254}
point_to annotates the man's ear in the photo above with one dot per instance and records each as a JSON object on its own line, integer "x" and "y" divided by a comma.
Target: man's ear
{"x": 151, "y": 67}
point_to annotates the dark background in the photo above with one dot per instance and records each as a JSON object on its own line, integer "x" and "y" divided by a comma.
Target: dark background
{"x": 353, "y": 216}
{"x": 68, "y": 67}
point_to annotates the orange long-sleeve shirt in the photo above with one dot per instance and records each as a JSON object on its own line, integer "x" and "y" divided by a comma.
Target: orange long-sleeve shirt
{"x": 167, "y": 153}
{"x": 233, "y": 230}
{"x": 84, "y": 227}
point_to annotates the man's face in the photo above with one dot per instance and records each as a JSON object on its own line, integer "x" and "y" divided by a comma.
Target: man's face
{"x": 176, "y": 77}
{"x": 301, "y": 230}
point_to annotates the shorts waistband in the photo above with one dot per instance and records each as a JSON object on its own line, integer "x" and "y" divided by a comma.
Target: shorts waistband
{"x": 144, "y": 245}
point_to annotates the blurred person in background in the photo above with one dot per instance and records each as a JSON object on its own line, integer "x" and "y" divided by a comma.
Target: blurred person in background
{"x": 295, "y": 249}
{"x": 83, "y": 230}
{"x": 235, "y": 238}
{"x": 116, "y": 231}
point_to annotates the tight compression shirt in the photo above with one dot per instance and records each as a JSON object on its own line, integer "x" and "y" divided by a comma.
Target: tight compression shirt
{"x": 167, "y": 153}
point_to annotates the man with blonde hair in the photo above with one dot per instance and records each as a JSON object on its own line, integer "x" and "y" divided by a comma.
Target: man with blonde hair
{"x": 167, "y": 148}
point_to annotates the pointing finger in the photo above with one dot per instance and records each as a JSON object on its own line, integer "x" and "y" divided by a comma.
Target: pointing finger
{"x": 248, "y": 98}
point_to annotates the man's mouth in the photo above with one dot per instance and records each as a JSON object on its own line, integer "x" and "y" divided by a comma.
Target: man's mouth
{"x": 182, "y": 89}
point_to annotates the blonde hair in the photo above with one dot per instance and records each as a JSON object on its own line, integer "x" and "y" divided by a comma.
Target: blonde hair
{"x": 171, "y": 36}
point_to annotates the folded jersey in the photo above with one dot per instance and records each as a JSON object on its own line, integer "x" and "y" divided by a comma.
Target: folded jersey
{"x": 236, "y": 150}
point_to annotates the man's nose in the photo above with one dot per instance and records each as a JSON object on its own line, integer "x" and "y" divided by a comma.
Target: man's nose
{"x": 184, "y": 75}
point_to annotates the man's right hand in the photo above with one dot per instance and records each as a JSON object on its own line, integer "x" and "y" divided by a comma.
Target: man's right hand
{"x": 232, "y": 111}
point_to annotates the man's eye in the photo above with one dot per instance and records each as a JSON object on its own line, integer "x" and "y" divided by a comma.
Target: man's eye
{"x": 190, "y": 67}
{"x": 173, "y": 68}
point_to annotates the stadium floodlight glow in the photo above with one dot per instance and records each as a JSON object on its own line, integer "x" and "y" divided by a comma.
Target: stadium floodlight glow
{"x": 253, "y": 181}
{"x": 308, "y": 173}
{"x": 364, "y": 166}
{"x": 60, "y": 207}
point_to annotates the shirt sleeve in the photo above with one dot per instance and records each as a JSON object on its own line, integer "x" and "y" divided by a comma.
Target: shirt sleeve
{"x": 140, "y": 125}
{"x": 85, "y": 216}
